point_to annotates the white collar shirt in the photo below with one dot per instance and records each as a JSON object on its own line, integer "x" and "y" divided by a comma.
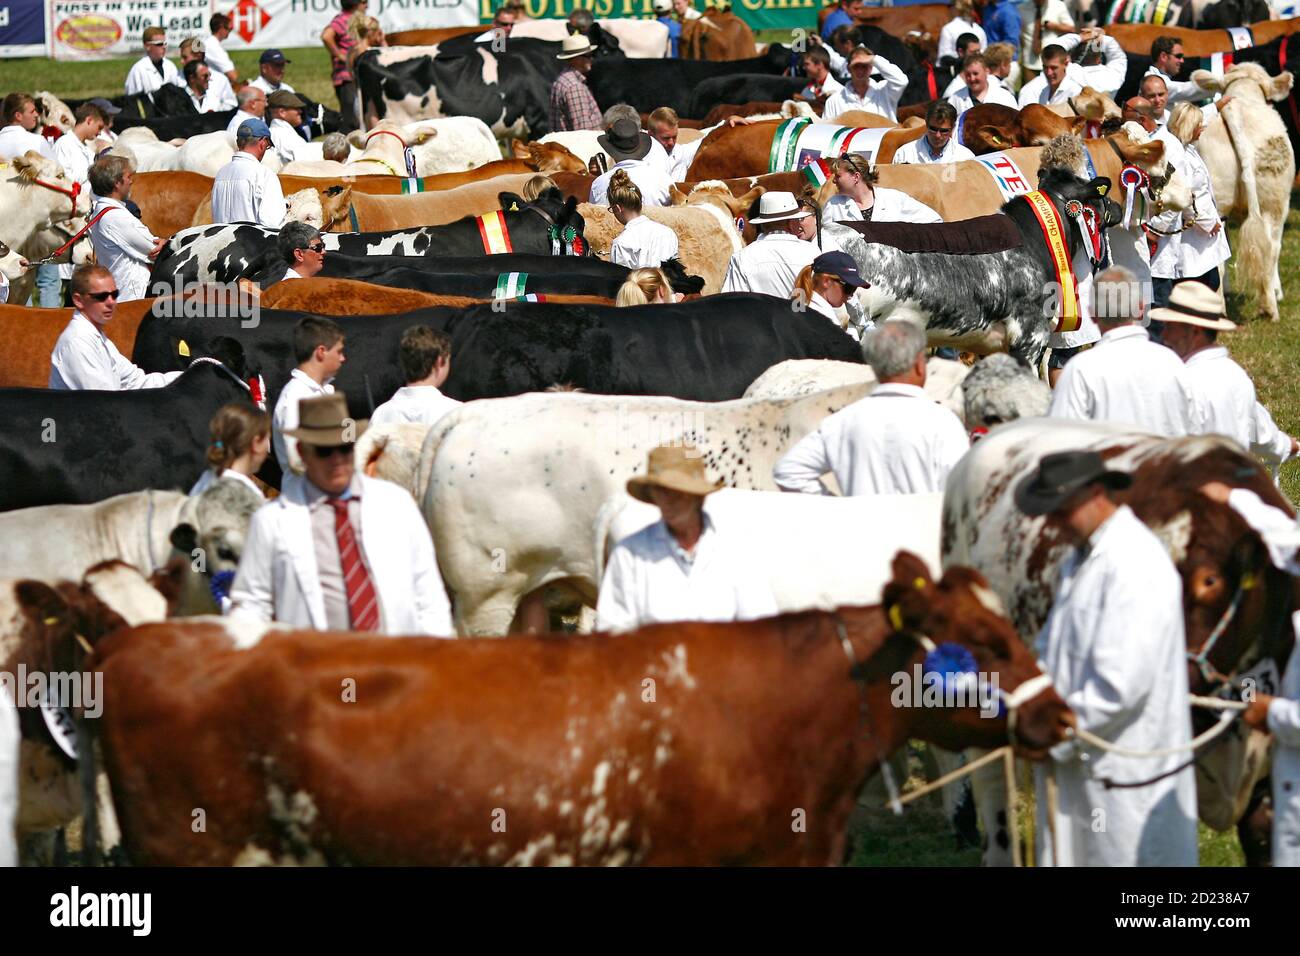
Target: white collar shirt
{"x": 145, "y": 78}
{"x": 643, "y": 243}
{"x": 650, "y": 178}
{"x": 246, "y": 191}
{"x": 210, "y": 478}
{"x": 881, "y": 97}
{"x": 417, "y": 404}
{"x": 895, "y": 441}
{"x": 85, "y": 358}
{"x": 1225, "y": 403}
{"x": 951, "y": 31}
{"x": 15, "y": 141}
{"x": 827, "y": 87}
{"x": 286, "y": 141}
{"x": 769, "y": 264}
{"x": 1117, "y": 620}
{"x": 265, "y": 85}
{"x": 122, "y": 245}
{"x": 1179, "y": 90}
{"x": 300, "y": 386}
{"x": 889, "y": 205}
{"x": 963, "y": 100}
{"x": 1037, "y": 90}
{"x": 217, "y": 58}
{"x": 919, "y": 152}
{"x": 957, "y": 84}
{"x": 75, "y": 157}
{"x": 1126, "y": 379}
{"x": 240, "y": 116}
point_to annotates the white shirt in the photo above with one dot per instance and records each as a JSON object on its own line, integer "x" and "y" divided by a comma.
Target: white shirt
{"x": 240, "y": 116}
{"x": 643, "y": 243}
{"x": 122, "y": 244}
{"x": 1108, "y": 75}
{"x": 769, "y": 264}
{"x": 1192, "y": 252}
{"x": 15, "y": 141}
{"x": 84, "y": 357}
{"x": 1128, "y": 379}
{"x": 1054, "y": 10}
{"x": 145, "y": 78}
{"x": 210, "y": 478}
{"x": 895, "y": 441}
{"x": 1225, "y": 403}
{"x": 1178, "y": 89}
{"x": 683, "y": 154}
{"x": 263, "y": 84}
{"x": 246, "y": 191}
{"x": 650, "y": 579}
{"x": 919, "y": 151}
{"x": 951, "y": 31}
{"x": 220, "y": 94}
{"x": 827, "y": 87}
{"x": 217, "y": 58}
{"x": 881, "y": 98}
{"x": 957, "y": 84}
{"x": 891, "y": 205}
{"x": 1037, "y": 91}
{"x": 962, "y": 100}
{"x": 300, "y": 386}
{"x": 10, "y": 751}
{"x": 419, "y": 404}
{"x": 286, "y": 140}
{"x": 1115, "y": 627}
{"x": 75, "y": 157}
{"x": 650, "y": 178}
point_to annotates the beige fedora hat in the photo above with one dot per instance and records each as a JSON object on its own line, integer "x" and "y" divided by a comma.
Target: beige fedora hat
{"x": 675, "y": 467}
{"x": 1195, "y": 303}
{"x": 776, "y": 206}
{"x": 576, "y": 44}
{"x": 324, "y": 420}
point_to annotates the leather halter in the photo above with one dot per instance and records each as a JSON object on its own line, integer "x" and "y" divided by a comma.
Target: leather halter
{"x": 73, "y": 192}
{"x": 379, "y": 159}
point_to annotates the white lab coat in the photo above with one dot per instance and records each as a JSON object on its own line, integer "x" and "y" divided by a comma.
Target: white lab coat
{"x": 769, "y": 264}
{"x": 74, "y": 156}
{"x": 951, "y": 31}
{"x": 880, "y": 98}
{"x": 957, "y": 84}
{"x": 1115, "y": 649}
{"x": 210, "y": 477}
{"x": 420, "y": 404}
{"x": 891, "y": 205}
{"x": 145, "y": 78}
{"x": 962, "y": 100}
{"x": 219, "y": 96}
{"x": 285, "y": 418}
{"x": 1053, "y": 10}
{"x": 263, "y": 84}
{"x": 1224, "y": 403}
{"x": 650, "y": 178}
{"x": 1037, "y": 91}
{"x": 10, "y": 749}
{"x": 246, "y": 191}
{"x": 643, "y": 243}
{"x": 1178, "y": 89}
{"x": 1128, "y": 379}
{"x": 286, "y": 141}
{"x": 217, "y": 58}
{"x": 240, "y": 117}
{"x": 1192, "y": 252}
{"x": 84, "y": 357}
{"x": 278, "y": 579}
{"x": 15, "y": 141}
{"x": 895, "y": 441}
{"x": 646, "y": 582}
{"x": 918, "y": 152}
{"x": 122, "y": 245}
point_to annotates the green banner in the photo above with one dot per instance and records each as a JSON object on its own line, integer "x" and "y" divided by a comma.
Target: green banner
{"x": 759, "y": 14}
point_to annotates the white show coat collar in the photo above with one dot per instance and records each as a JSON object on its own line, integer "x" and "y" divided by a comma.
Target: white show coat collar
{"x": 898, "y": 389}
{"x": 1122, "y": 333}
{"x": 1211, "y": 354}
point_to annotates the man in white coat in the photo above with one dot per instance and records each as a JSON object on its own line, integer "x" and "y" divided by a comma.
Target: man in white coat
{"x": 628, "y": 145}
{"x": 319, "y": 354}
{"x": 245, "y": 190}
{"x": 772, "y": 262}
{"x": 338, "y": 550}
{"x": 286, "y": 117}
{"x": 122, "y": 242}
{"x": 1059, "y": 81}
{"x": 252, "y": 105}
{"x": 1279, "y": 715}
{"x": 1125, "y": 378}
{"x": 978, "y": 90}
{"x": 1115, "y": 648}
{"x": 895, "y": 441}
{"x": 153, "y": 69}
{"x": 425, "y": 357}
{"x": 861, "y": 93}
{"x": 680, "y": 568}
{"x": 938, "y": 145}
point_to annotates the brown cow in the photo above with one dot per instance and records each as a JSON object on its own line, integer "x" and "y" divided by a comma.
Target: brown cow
{"x": 349, "y": 297}
{"x": 428, "y": 37}
{"x": 382, "y": 213}
{"x": 32, "y": 334}
{"x": 1137, "y": 37}
{"x": 676, "y": 744}
{"x": 899, "y": 21}
{"x": 718, "y": 35}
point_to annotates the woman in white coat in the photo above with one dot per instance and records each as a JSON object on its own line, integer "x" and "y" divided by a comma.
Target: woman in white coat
{"x": 1198, "y": 251}
{"x": 239, "y": 445}
{"x": 860, "y": 199}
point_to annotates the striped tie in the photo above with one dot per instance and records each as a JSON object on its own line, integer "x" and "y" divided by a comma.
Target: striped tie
{"x": 363, "y": 604}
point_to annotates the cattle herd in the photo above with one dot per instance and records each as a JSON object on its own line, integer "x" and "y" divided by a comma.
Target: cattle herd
{"x": 522, "y": 486}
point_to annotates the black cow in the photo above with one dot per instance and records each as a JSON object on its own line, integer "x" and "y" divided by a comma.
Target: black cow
{"x": 648, "y": 84}
{"x": 226, "y": 253}
{"x": 1232, "y": 13}
{"x": 78, "y": 447}
{"x": 707, "y": 350}
{"x": 741, "y": 88}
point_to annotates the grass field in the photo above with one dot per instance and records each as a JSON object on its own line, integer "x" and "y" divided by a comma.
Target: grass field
{"x": 1270, "y": 352}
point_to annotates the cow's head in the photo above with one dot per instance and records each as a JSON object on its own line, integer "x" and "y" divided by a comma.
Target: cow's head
{"x": 922, "y": 44}
{"x": 304, "y": 206}
{"x": 49, "y": 188}
{"x": 1039, "y": 125}
{"x": 1069, "y": 191}
{"x": 679, "y": 279}
{"x": 1095, "y": 105}
{"x": 209, "y": 541}
{"x": 1166, "y": 188}
{"x": 1249, "y": 81}
{"x": 547, "y": 157}
{"x": 12, "y": 265}
{"x": 968, "y": 629}
{"x": 52, "y": 111}
{"x": 410, "y": 134}
{"x": 561, "y": 216}
{"x": 714, "y": 192}
{"x": 334, "y": 203}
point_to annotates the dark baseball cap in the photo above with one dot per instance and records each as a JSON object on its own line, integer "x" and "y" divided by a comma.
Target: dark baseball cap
{"x": 273, "y": 56}
{"x": 842, "y": 266}
{"x": 253, "y": 128}
{"x": 107, "y": 108}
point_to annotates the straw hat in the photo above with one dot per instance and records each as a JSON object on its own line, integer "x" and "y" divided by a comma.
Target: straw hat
{"x": 575, "y": 45}
{"x": 675, "y": 467}
{"x": 324, "y": 420}
{"x": 777, "y": 206}
{"x": 1195, "y": 303}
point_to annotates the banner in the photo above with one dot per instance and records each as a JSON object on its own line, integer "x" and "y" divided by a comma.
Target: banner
{"x": 261, "y": 24}
{"x": 759, "y": 14}
{"x": 99, "y": 29}
{"x": 22, "y": 28}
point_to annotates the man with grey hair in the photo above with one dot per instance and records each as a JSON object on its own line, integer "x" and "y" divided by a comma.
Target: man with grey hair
{"x": 335, "y": 147}
{"x": 252, "y": 105}
{"x": 1125, "y": 378}
{"x": 123, "y": 244}
{"x": 895, "y": 441}
{"x": 302, "y": 248}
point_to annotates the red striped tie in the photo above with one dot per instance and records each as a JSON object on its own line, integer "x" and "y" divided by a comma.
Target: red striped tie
{"x": 363, "y": 604}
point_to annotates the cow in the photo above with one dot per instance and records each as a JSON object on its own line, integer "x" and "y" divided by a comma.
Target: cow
{"x": 944, "y": 380}
{"x": 146, "y": 438}
{"x": 710, "y": 93}
{"x": 637, "y": 39}
{"x": 596, "y": 778}
{"x": 1136, "y": 38}
{"x": 1231, "y": 589}
{"x": 30, "y": 336}
{"x": 899, "y": 21}
{"x": 227, "y": 253}
{"x": 451, "y": 144}
{"x": 719, "y": 35}
{"x": 481, "y": 277}
{"x": 649, "y": 84}
{"x": 948, "y": 276}
{"x": 706, "y": 234}
{"x": 348, "y": 297}
{"x": 383, "y": 213}
{"x": 35, "y": 196}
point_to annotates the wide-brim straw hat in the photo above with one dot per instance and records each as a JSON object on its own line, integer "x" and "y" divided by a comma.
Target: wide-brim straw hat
{"x": 675, "y": 467}
{"x": 324, "y": 420}
{"x": 777, "y": 206}
{"x": 575, "y": 44}
{"x": 1195, "y": 303}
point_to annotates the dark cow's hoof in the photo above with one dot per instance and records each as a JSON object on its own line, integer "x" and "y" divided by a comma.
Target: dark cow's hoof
{"x": 965, "y": 821}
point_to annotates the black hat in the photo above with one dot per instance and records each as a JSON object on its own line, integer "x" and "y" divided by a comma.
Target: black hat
{"x": 273, "y": 56}
{"x": 625, "y": 140}
{"x": 1060, "y": 475}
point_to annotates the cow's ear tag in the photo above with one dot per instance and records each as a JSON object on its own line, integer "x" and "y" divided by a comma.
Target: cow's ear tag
{"x": 183, "y": 348}
{"x": 514, "y": 207}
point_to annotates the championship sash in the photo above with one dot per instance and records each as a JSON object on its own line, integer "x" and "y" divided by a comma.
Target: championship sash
{"x": 795, "y": 148}
{"x": 1011, "y": 182}
{"x": 1161, "y": 16}
{"x": 412, "y": 186}
{"x": 492, "y": 230}
{"x": 784, "y": 140}
{"x": 1067, "y": 317}
{"x": 510, "y": 285}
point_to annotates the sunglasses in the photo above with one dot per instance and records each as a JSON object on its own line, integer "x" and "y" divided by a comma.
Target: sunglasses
{"x": 329, "y": 451}
{"x": 104, "y": 296}
{"x": 1179, "y": 56}
{"x": 156, "y": 43}
{"x": 939, "y": 129}
{"x": 316, "y": 247}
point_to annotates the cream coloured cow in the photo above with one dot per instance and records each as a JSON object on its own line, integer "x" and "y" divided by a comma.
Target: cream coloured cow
{"x": 36, "y": 198}
{"x": 450, "y": 144}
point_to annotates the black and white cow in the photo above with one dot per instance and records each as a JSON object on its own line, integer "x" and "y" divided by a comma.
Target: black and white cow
{"x": 992, "y": 286}
{"x": 227, "y": 253}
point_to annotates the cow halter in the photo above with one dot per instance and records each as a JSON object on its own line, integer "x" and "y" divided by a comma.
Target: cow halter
{"x": 255, "y": 386}
{"x": 73, "y": 191}
{"x": 407, "y": 155}
{"x": 1201, "y": 658}
{"x": 564, "y": 239}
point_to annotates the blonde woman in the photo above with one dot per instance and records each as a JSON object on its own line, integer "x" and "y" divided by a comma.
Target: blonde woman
{"x": 860, "y": 199}
{"x": 643, "y": 243}
{"x": 240, "y": 444}
{"x": 535, "y": 186}
{"x": 646, "y": 287}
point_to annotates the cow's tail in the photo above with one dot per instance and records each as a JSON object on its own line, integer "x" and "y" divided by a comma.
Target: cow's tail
{"x": 604, "y": 523}
{"x": 1253, "y": 268}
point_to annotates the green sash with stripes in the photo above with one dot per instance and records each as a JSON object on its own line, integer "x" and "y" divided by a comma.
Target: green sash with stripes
{"x": 510, "y": 285}
{"x": 412, "y": 186}
{"x": 784, "y": 143}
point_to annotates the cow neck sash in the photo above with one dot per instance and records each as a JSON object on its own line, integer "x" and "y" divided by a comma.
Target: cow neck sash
{"x": 1067, "y": 319}
{"x": 492, "y": 230}
{"x": 514, "y": 285}
{"x": 784, "y": 142}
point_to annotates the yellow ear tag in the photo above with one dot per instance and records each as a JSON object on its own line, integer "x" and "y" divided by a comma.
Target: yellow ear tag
{"x": 51, "y": 620}
{"x": 514, "y": 207}
{"x": 895, "y": 617}
{"x": 919, "y": 584}
{"x": 183, "y": 348}
{"x": 1248, "y": 580}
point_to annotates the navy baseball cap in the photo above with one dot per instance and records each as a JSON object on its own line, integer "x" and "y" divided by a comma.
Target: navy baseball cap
{"x": 842, "y": 266}
{"x": 273, "y": 56}
{"x": 253, "y": 129}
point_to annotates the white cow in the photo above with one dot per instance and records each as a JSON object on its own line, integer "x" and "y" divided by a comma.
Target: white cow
{"x": 642, "y": 39}
{"x": 52, "y": 111}
{"x": 32, "y": 203}
{"x": 450, "y": 144}
{"x": 12, "y": 263}
{"x": 206, "y": 153}
{"x": 793, "y": 377}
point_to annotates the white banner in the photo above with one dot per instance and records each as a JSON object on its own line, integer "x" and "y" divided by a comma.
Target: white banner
{"x": 97, "y": 29}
